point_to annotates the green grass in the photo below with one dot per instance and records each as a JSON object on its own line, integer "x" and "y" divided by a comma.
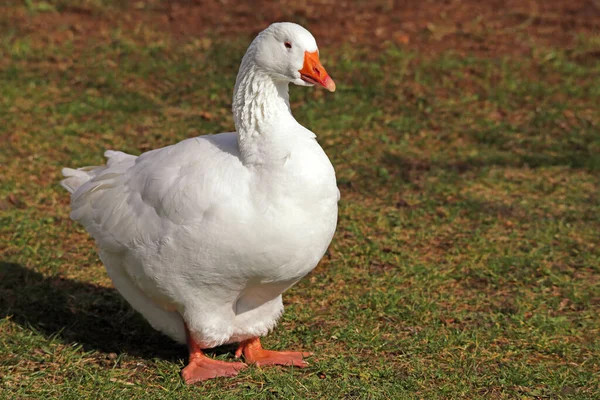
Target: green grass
{"x": 467, "y": 259}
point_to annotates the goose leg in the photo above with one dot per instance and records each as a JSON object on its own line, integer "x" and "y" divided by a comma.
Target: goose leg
{"x": 200, "y": 367}
{"x": 255, "y": 354}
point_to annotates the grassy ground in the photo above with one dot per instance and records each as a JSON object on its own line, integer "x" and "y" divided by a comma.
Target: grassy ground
{"x": 467, "y": 259}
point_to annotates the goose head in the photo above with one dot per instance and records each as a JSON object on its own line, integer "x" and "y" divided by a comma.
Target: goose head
{"x": 287, "y": 52}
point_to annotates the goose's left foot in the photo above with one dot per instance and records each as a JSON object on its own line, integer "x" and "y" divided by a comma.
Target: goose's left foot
{"x": 255, "y": 354}
{"x": 201, "y": 367}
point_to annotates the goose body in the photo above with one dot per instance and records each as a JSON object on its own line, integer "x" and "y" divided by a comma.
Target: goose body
{"x": 204, "y": 236}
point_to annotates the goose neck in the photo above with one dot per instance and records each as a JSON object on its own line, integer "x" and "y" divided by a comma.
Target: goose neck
{"x": 260, "y": 109}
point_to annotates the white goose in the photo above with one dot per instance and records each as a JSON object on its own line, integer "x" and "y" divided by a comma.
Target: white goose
{"x": 203, "y": 237}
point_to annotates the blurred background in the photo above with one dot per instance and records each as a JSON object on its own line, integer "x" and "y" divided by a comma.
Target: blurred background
{"x": 464, "y": 26}
{"x": 466, "y": 141}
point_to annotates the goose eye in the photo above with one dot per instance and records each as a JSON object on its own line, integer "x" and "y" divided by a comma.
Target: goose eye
{"x": 288, "y": 45}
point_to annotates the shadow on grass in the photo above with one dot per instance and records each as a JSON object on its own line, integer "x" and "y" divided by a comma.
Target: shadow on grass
{"x": 93, "y": 316}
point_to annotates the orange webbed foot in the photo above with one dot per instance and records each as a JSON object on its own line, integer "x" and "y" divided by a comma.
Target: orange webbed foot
{"x": 202, "y": 368}
{"x": 255, "y": 354}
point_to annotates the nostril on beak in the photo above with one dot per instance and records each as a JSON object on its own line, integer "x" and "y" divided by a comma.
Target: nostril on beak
{"x": 317, "y": 72}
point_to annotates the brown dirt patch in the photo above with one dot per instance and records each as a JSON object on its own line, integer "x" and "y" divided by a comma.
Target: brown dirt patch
{"x": 507, "y": 26}
{"x": 466, "y": 26}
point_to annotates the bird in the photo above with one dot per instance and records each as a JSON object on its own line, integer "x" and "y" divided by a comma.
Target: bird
{"x": 202, "y": 237}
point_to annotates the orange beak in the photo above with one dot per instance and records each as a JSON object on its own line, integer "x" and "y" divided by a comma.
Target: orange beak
{"x": 313, "y": 72}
